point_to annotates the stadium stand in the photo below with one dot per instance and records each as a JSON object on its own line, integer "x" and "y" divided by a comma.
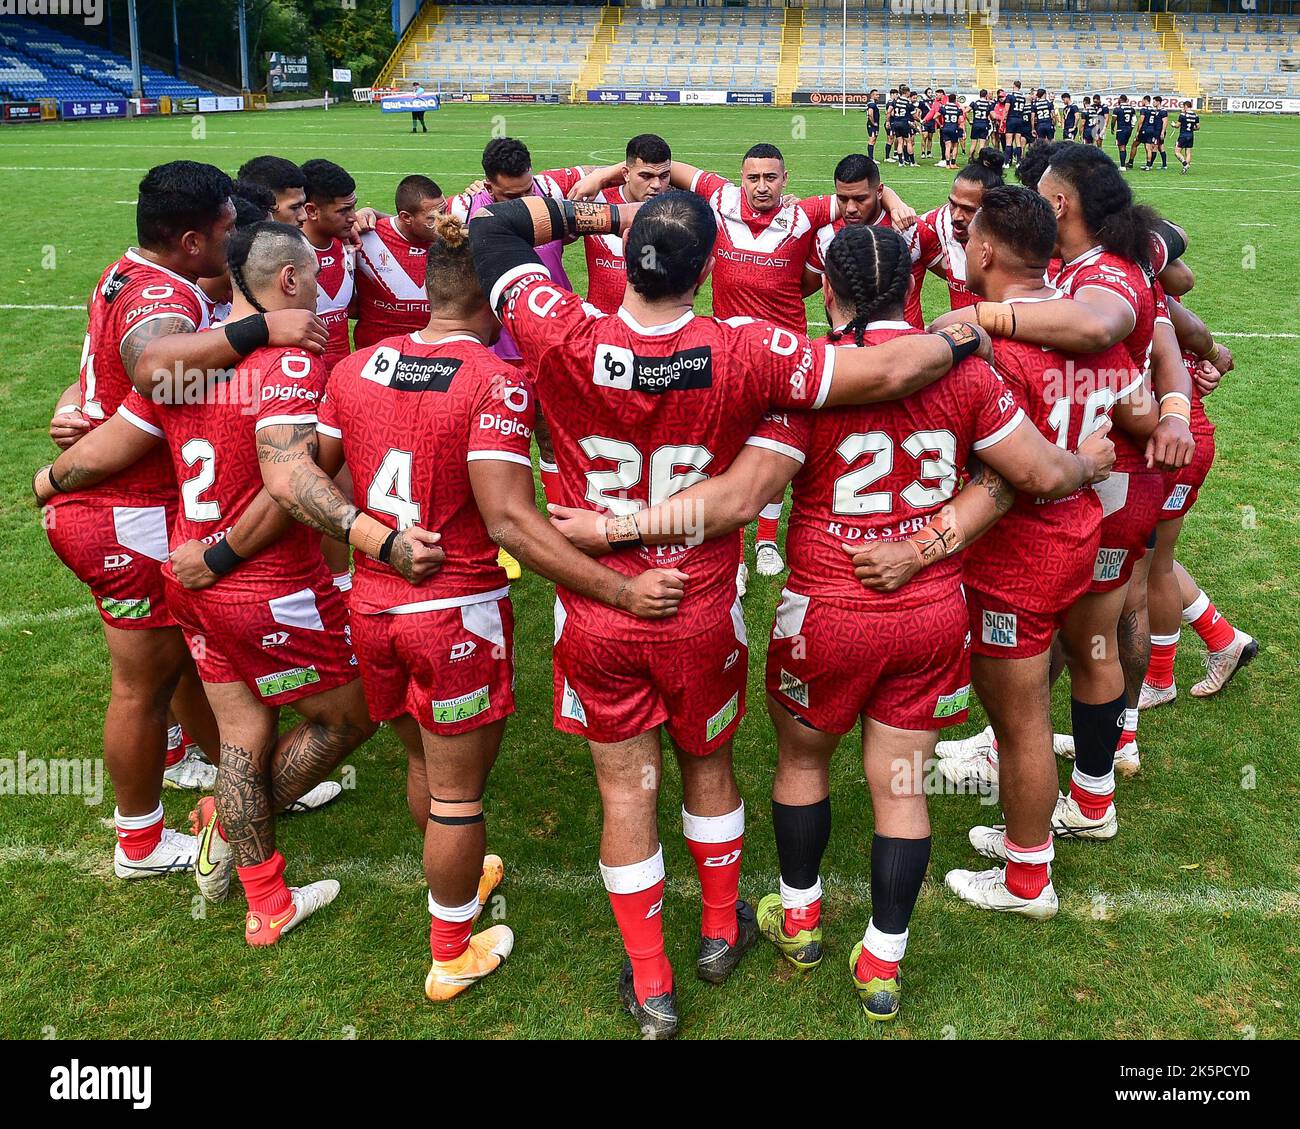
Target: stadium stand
{"x": 37, "y": 61}
{"x": 766, "y": 46}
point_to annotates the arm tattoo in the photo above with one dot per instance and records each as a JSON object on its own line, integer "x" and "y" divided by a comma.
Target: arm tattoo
{"x": 298, "y": 484}
{"x": 138, "y": 339}
{"x": 999, "y": 488}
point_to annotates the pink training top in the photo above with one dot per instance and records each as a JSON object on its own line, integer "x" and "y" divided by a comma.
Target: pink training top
{"x": 553, "y": 184}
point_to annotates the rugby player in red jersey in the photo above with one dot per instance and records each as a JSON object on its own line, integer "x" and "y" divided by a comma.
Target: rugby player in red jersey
{"x": 867, "y": 479}
{"x": 1173, "y": 595}
{"x": 265, "y": 625}
{"x": 947, "y": 224}
{"x": 285, "y": 180}
{"x": 641, "y": 176}
{"x": 390, "y": 264}
{"x": 436, "y": 430}
{"x": 114, "y": 536}
{"x": 331, "y": 215}
{"x": 1030, "y": 578}
{"x": 861, "y": 198}
{"x": 645, "y": 403}
{"x": 1105, "y": 244}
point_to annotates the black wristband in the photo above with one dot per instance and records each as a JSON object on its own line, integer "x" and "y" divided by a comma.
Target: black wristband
{"x": 962, "y": 339}
{"x": 386, "y": 549}
{"x": 221, "y": 558}
{"x": 57, "y": 487}
{"x": 248, "y": 334}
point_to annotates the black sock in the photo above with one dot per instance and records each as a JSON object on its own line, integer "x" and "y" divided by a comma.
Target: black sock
{"x": 871, "y": 152}
{"x": 1164, "y": 159}
{"x": 897, "y": 871}
{"x": 1096, "y": 734}
{"x": 802, "y": 832}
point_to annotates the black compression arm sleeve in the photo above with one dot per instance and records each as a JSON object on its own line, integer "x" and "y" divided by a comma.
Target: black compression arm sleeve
{"x": 1174, "y": 241}
{"x": 501, "y": 239}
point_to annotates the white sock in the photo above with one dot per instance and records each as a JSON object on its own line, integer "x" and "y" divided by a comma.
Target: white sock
{"x": 884, "y": 946}
{"x": 1196, "y": 608}
{"x": 792, "y": 898}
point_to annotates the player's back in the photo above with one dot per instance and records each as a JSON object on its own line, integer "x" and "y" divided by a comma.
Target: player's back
{"x": 638, "y": 414}
{"x": 211, "y": 441}
{"x": 131, "y": 292}
{"x": 412, "y": 416}
{"x": 1040, "y": 541}
{"x": 879, "y": 472}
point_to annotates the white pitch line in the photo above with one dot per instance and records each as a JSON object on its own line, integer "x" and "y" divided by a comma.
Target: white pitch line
{"x": 404, "y": 874}
{"x": 33, "y": 619}
{"x": 820, "y": 324}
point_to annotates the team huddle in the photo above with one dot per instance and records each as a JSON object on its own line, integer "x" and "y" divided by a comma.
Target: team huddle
{"x": 272, "y": 511}
{"x": 1012, "y": 119}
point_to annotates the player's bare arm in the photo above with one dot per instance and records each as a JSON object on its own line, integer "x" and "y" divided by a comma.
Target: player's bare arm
{"x": 711, "y": 508}
{"x": 1171, "y": 445}
{"x": 197, "y": 565}
{"x": 159, "y": 361}
{"x": 597, "y": 179}
{"x": 503, "y": 492}
{"x": 1091, "y": 321}
{"x": 898, "y": 368}
{"x": 113, "y": 446}
{"x": 1029, "y": 462}
{"x": 1195, "y": 337}
{"x": 137, "y": 340}
{"x": 287, "y": 455}
{"x": 901, "y": 214}
{"x": 68, "y": 424}
{"x": 885, "y": 566}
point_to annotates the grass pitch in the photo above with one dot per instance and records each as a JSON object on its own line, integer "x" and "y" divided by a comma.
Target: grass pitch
{"x": 1185, "y": 925}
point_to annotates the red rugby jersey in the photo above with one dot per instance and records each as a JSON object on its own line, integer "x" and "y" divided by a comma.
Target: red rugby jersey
{"x": 412, "y": 416}
{"x": 212, "y": 446}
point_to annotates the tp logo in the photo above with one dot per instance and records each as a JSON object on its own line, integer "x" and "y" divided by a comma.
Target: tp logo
{"x": 613, "y": 367}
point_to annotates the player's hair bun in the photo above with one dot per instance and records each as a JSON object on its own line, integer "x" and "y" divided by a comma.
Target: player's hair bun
{"x": 449, "y": 230}
{"x": 992, "y": 159}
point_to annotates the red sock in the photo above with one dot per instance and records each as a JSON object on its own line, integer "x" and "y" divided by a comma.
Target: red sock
{"x": 769, "y": 522}
{"x": 636, "y": 895}
{"x": 1093, "y": 794}
{"x": 138, "y": 835}
{"x": 1028, "y": 868}
{"x": 871, "y": 967}
{"x": 1217, "y": 632}
{"x": 1129, "y": 733}
{"x": 1160, "y": 671}
{"x": 549, "y": 473}
{"x": 806, "y": 917}
{"x": 450, "y": 928}
{"x": 716, "y": 843}
{"x": 177, "y": 740}
{"x": 264, "y": 885}
{"x": 881, "y": 954}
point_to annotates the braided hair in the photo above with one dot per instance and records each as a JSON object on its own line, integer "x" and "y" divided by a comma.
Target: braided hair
{"x": 868, "y": 267}
{"x": 261, "y": 249}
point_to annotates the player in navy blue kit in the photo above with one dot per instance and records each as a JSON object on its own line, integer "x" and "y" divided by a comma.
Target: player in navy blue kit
{"x": 951, "y": 119}
{"x": 1147, "y": 126}
{"x": 1017, "y": 129}
{"x": 1069, "y": 118}
{"x": 923, "y": 108}
{"x": 1189, "y": 121}
{"x": 978, "y": 110}
{"x": 1162, "y": 126}
{"x": 1121, "y": 121}
{"x": 884, "y": 112}
{"x": 873, "y": 122}
{"x": 902, "y": 112}
{"x": 1044, "y": 114}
